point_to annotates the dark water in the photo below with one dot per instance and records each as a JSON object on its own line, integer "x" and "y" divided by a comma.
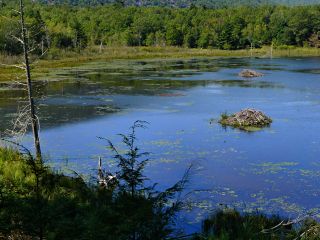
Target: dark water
{"x": 276, "y": 170}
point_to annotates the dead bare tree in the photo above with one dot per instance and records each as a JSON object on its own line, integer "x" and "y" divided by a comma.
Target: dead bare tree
{"x": 26, "y": 115}
{"x": 25, "y": 45}
{"x": 20, "y": 123}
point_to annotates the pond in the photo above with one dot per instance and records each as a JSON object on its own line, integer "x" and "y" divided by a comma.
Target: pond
{"x": 275, "y": 170}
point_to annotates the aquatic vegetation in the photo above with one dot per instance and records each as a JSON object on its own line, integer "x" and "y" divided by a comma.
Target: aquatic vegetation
{"x": 247, "y": 84}
{"x": 75, "y": 59}
{"x": 281, "y": 204}
{"x": 273, "y": 168}
{"x": 247, "y": 119}
{"x": 217, "y": 191}
{"x": 170, "y": 94}
{"x": 312, "y": 70}
{"x": 166, "y": 160}
{"x": 229, "y": 224}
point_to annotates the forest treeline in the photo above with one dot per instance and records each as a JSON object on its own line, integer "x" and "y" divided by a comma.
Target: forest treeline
{"x": 181, "y": 3}
{"x": 75, "y": 28}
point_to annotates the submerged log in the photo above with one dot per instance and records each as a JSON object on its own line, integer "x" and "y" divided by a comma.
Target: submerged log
{"x": 247, "y": 73}
{"x": 246, "y": 118}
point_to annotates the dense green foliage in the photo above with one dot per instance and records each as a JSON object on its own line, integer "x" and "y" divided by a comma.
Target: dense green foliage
{"x": 182, "y": 3}
{"x": 67, "y": 27}
{"x": 36, "y": 203}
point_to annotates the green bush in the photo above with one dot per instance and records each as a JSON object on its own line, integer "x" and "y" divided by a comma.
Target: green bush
{"x": 37, "y": 203}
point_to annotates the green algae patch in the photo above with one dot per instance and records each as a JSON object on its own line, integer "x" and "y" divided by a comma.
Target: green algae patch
{"x": 252, "y": 129}
{"x": 250, "y": 120}
{"x": 274, "y": 168}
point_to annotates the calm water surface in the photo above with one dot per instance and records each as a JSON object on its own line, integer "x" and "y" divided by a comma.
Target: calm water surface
{"x": 276, "y": 170}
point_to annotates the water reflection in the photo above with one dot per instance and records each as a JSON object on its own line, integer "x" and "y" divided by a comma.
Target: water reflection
{"x": 75, "y": 87}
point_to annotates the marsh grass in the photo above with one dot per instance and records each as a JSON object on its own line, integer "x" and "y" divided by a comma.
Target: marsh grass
{"x": 56, "y": 58}
{"x": 224, "y": 116}
{"x": 229, "y": 224}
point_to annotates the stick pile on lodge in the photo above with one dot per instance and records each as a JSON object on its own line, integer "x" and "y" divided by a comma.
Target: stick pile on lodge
{"x": 247, "y": 73}
{"x": 246, "y": 118}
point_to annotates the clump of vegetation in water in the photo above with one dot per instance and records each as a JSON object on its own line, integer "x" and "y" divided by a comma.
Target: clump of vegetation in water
{"x": 247, "y": 119}
{"x": 229, "y": 224}
{"x": 247, "y": 73}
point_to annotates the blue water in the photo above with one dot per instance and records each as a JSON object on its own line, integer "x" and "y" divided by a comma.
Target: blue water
{"x": 275, "y": 170}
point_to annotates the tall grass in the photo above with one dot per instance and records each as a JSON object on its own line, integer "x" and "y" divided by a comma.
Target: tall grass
{"x": 229, "y": 224}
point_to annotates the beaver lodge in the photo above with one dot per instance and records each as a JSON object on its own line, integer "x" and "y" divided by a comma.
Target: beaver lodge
{"x": 247, "y": 73}
{"x": 247, "y": 119}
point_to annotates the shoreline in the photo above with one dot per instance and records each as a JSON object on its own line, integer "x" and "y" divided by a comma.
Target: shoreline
{"x": 64, "y": 59}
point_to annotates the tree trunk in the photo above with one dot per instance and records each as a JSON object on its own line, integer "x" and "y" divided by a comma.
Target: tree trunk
{"x": 42, "y": 46}
{"x": 101, "y": 46}
{"x": 34, "y": 122}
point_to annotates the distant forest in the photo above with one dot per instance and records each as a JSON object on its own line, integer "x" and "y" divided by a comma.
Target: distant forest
{"x": 75, "y": 28}
{"x": 183, "y": 3}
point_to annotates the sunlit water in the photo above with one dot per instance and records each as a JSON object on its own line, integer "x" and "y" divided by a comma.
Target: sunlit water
{"x": 276, "y": 170}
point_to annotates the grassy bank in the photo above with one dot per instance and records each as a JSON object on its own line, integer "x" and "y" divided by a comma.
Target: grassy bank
{"x": 58, "y": 59}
